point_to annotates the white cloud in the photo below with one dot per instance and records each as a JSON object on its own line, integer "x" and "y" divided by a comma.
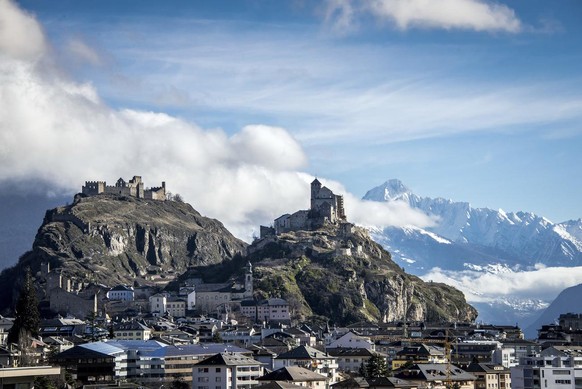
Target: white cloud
{"x": 271, "y": 146}
{"x": 378, "y": 214}
{"x": 84, "y": 52}
{"x": 21, "y": 36}
{"x": 476, "y": 15}
{"x": 541, "y": 282}
{"x": 58, "y": 131}
{"x": 340, "y": 16}
{"x": 334, "y": 95}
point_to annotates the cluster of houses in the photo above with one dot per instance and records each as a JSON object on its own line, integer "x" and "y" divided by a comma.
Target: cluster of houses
{"x": 195, "y": 297}
{"x": 209, "y": 353}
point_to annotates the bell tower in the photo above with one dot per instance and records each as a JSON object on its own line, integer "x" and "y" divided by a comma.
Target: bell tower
{"x": 249, "y": 280}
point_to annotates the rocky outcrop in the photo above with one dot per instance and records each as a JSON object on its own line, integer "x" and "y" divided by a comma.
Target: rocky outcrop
{"x": 111, "y": 240}
{"x": 339, "y": 273}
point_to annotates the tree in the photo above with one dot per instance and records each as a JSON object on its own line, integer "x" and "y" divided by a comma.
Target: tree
{"x": 178, "y": 198}
{"x": 375, "y": 367}
{"x": 27, "y": 317}
{"x": 43, "y": 382}
{"x": 179, "y": 383}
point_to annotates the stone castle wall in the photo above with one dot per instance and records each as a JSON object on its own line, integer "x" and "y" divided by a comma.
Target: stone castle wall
{"x": 326, "y": 207}
{"x": 133, "y": 188}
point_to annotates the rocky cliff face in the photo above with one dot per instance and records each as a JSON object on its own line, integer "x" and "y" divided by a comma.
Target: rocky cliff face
{"x": 341, "y": 274}
{"x": 110, "y": 240}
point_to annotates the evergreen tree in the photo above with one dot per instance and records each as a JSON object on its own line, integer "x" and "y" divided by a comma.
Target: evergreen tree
{"x": 27, "y": 317}
{"x": 375, "y": 367}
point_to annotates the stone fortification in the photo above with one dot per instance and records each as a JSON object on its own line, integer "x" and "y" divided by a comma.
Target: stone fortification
{"x": 326, "y": 208}
{"x": 134, "y": 187}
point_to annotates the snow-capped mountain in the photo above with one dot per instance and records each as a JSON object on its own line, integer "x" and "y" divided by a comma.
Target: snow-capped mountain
{"x": 469, "y": 243}
{"x": 475, "y": 235}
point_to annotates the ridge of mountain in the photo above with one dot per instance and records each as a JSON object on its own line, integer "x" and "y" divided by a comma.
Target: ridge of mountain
{"x": 569, "y": 300}
{"x": 480, "y": 235}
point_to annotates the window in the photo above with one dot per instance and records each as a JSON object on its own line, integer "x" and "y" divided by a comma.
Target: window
{"x": 202, "y": 370}
{"x": 218, "y": 379}
{"x": 218, "y": 369}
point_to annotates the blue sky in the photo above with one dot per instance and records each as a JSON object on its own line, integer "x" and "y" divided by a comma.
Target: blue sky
{"x": 471, "y": 100}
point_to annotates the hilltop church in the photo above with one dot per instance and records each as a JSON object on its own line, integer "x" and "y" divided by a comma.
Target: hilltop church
{"x": 326, "y": 208}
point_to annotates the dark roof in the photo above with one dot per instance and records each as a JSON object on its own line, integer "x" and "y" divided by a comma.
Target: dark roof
{"x": 295, "y": 331}
{"x": 422, "y": 349}
{"x": 292, "y": 373}
{"x": 489, "y": 368}
{"x": 304, "y": 352}
{"x": 224, "y": 287}
{"x": 279, "y": 335}
{"x": 228, "y": 359}
{"x": 375, "y": 382}
{"x": 130, "y": 326}
{"x": 278, "y": 385}
{"x": 79, "y": 352}
{"x": 351, "y": 352}
{"x": 434, "y": 372}
{"x": 122, "y": 288}
{"x": 273, "y": 301}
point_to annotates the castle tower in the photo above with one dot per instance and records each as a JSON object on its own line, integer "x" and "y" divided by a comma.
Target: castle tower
{"x": 315, "y": 188}
{"x": 249, "y": 281}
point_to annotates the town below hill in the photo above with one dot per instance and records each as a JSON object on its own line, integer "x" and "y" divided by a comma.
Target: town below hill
{"x": 191, "y": 352}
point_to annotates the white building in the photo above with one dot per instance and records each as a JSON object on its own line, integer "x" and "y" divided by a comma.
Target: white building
{"x": 554, "y": 368}
{"x": 176, "y": 307}
{"x": 273, "y": 309}
{"x": 226, "y": 371}
{"x": 352, "y": 340}
{"x": 121, "y": 293}
{"x": 350, "y": 359}
{"x": 158, "y": 304}
{"x": 189, "y": 293}
{"x": 215, "y": 297}
{"x": 131, "y": 331}
{"x": 505, "y": 356}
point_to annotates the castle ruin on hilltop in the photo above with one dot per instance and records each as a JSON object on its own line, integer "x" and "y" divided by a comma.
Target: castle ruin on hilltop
{"x": 134, "y": 188}
{"x": 326, "y": 208}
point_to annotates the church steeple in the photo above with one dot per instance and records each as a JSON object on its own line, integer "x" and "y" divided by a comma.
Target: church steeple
{"x": 315, "y": 188}
{"x": 249, "y": 280}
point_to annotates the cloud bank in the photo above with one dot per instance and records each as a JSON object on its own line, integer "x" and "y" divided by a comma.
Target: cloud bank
{"x": 57, "y": 131}
{"x": 476, "y": 15}
{"x": 543, "y": 283}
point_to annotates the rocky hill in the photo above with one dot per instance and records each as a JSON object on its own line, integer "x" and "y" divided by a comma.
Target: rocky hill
{"x": 340, "y": 273}
{"x": 109, "y": 239}
{"x": 336, "y": 272}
